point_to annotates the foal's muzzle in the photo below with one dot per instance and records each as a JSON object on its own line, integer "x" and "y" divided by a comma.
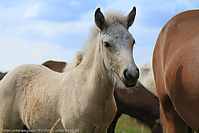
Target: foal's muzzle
{"x": 130, "y": 77}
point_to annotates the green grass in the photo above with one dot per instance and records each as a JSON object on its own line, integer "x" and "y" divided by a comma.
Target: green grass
{"x": 127, "y": 124}
{"x": 2, "y": 75}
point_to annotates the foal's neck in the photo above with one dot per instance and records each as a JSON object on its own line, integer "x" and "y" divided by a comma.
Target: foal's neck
{"x": 100, "y": 76}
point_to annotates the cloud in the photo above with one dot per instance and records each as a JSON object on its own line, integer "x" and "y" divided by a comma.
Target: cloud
{"x": 40, "y": 41}
{"x": 25, "y": 40}
{"x": 145, "y": 38}
{"x": 19, "y": 51}
{"x": 32, "y": 12}
{"x": 140, "y": 53}
{"x": 74, "y": 3}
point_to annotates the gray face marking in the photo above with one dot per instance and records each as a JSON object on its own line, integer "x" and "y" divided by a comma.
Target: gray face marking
{"x": 117, "y": 44}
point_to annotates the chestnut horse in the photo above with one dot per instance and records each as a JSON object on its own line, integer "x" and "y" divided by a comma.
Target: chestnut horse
{"x": 137, "y": 102}
{"x": 175, "y": 66}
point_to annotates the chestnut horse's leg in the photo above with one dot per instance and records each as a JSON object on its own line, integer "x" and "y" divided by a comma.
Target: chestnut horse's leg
{"x": 170, "y": 117}
{"x": 111, "y": 128}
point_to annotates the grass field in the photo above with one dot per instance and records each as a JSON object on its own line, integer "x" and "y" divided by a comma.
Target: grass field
{"x": 127, "y": 124}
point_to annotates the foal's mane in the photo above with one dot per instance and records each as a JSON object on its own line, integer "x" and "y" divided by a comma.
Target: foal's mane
{"x": 111, "y": 18}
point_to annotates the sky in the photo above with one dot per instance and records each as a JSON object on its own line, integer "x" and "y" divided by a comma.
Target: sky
{"x": 34, "y": 31}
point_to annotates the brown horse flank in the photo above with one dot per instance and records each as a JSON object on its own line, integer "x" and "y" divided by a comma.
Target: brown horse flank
{"x": 137, "y": 102}
{"x": 175, "y": 66}
{"x": 55, "y": 65}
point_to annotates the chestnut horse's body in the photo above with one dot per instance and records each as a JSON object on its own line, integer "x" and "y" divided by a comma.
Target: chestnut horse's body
{"x": 176, "y": 72}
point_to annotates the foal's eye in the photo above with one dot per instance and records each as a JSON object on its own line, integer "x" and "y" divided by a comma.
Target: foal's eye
{"x": 107, "y": 45}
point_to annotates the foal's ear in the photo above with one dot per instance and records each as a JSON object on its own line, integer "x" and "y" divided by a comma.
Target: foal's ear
{"x": 99, "y": 19}
{"x": 131, "y": 17}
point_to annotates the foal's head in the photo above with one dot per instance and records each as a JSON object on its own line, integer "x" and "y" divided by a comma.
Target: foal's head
{"x": 116, "y": 44}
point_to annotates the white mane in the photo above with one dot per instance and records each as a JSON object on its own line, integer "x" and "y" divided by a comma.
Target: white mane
{"x": 75, "y": 62}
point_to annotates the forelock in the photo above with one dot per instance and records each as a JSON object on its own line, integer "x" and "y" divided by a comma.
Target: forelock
{"x": 111, "y": 18}
{"x": 115, "y": 17}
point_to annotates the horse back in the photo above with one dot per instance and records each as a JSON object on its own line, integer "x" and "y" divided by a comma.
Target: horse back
{"x": 22, "y": 75}
{"x": 22, "y": 91}
{"x": 175, "y": 64}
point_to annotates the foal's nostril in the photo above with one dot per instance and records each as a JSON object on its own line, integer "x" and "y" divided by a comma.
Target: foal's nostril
{"x": 126, "y": 73}
{"x": 130, "y": 75}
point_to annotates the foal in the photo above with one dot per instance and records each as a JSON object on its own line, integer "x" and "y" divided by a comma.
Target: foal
{"x": 137, "y": 102}
{"x": 36, "y": 96}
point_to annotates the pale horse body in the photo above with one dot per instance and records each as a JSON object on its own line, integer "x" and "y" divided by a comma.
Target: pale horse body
{"x": 147, "y": 77}
{"x": 36, "y": 97}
